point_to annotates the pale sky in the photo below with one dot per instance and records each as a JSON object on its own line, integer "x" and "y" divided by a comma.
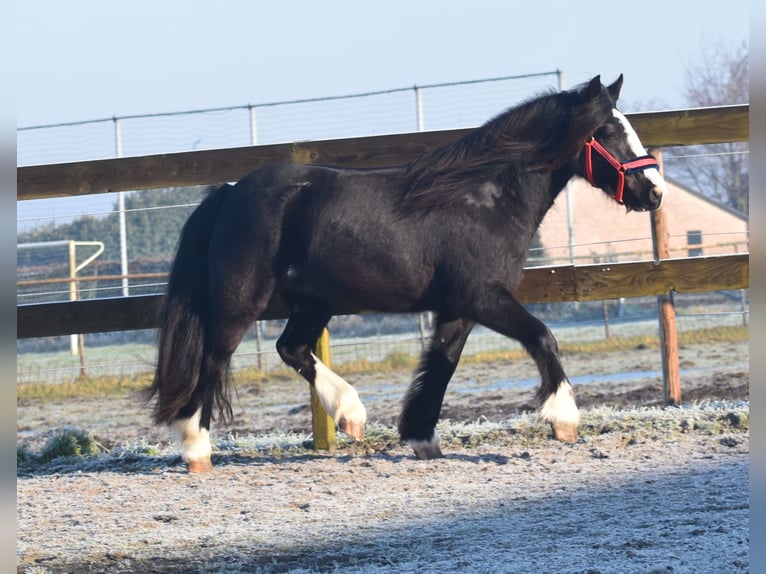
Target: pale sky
{"x": 86, "y": 59}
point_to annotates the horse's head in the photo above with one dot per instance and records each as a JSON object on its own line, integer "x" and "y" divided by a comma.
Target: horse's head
{"x": 616, "y": 161}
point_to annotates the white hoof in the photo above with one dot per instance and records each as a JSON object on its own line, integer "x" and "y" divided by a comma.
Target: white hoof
{"x": 195, "y": 443}
{"x": 340, "y": 400}
{"x": 560, "y": 410}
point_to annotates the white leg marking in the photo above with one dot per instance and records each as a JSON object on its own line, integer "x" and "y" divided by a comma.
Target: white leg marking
{"x": 195, "y": 441}
{"x": 560, "y": 407}
{"x": 427, "y": 449}
{"x": 339, "y": 399}
{"x": 638, "y": 149}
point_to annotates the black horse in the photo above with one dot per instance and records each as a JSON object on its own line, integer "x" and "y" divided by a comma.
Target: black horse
{"x": 448, "y": 232}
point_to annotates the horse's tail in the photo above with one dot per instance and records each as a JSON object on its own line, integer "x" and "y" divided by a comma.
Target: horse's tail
{"x": 183, "y": 316}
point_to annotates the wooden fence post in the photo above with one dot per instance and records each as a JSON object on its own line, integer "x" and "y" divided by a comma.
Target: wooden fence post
{"x": 323, "y": 426}
{"x": 671, "y": 373}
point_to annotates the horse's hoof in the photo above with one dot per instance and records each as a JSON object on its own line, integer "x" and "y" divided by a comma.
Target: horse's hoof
{"x": 353, "y": 429}
{"x": 565, "y": 432}
{"x": 428, "y": 453}
{"x": 199, "y": 466}
{"x": 426, "y": 449}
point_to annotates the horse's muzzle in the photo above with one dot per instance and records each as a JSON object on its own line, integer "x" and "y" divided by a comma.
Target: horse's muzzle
{"x": 656, "y": 195}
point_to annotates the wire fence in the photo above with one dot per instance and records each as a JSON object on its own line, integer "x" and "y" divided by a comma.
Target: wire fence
{"x": 427, "y": 107}
{"x": 53, "y": 282}
{"x": 376, "y": 338}
{"x": 396, "y": 340}
{"x": 416, "y": 108}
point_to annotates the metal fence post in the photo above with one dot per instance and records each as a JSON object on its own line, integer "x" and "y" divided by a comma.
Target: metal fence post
{"x": 72, "y": 255}
{"x": 253, "y": 125}
{"x": 419, "y": 108}
{"x": 121, "y": 215}
{"x": 258, "y": 344}
{"x": 424, "y": 318}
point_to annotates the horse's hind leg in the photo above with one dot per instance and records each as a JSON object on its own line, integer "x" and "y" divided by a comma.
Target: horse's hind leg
{"x": 193, "y": 422}
{"x": 509, "y": 317}
{"x": 423, "y": 402}
{"x": 339, "y": 399}
{"x": 194, "y": 438}
{"x": 235, "y": 301}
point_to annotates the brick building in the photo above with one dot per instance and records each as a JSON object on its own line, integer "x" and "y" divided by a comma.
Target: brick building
{"x": 602, "y": 230}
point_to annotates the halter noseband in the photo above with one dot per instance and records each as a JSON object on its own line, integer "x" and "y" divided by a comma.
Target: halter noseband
{"x": 636, "y": 164}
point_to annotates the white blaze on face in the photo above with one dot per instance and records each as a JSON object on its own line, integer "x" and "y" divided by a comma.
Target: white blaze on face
{"x": 638, "y": 149}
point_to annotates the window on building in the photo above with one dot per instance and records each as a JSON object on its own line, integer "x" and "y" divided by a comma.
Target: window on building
{"x": 694, "y": 238}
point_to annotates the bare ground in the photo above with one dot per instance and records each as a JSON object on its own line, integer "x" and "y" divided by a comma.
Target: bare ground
{"x": 714, "y": 371}
{"x": 658, "y": 497}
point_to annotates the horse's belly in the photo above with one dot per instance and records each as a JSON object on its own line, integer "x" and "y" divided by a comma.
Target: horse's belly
{"x": 352, "y": 285}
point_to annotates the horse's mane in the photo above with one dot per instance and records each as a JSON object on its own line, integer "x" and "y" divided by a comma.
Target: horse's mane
{"x": 543, "y": 133}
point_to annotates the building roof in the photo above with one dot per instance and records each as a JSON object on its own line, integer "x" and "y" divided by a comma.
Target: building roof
{"x": 710, "y": 200}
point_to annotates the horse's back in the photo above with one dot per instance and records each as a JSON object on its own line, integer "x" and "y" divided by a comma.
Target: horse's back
{"x": 331, "y": 233}
{"x": 348, "y": 237}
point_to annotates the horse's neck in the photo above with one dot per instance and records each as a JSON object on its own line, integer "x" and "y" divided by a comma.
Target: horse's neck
{"x": 535, "y": 193}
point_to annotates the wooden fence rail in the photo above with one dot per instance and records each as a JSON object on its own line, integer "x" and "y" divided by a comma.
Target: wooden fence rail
{"x": 562, "y": 283}
{"x": 657, "y": 129}
{"x": 738, "y": 247}
{"x": 540, "y": 285}
{"x": 675, "y": 127}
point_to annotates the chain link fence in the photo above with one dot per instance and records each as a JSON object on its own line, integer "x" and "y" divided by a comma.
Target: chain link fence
{"x": 370, "y": 337}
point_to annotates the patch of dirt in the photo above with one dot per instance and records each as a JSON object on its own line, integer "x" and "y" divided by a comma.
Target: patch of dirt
{"x": 613, "y": 502}
{"x": 718, "y": 387}
{"x": 477, "y": 392}
{"x": 605, "y": 504}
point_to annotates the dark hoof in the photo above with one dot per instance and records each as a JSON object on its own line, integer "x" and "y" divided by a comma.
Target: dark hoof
{"x": 426, "y": 450}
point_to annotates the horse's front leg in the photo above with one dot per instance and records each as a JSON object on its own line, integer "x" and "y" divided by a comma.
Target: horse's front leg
{"x": 339, "y": 399}
{"x": 423, "y": 402}
{"x": 509, "y": 317}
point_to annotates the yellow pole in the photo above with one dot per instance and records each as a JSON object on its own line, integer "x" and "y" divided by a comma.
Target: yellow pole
{"x": 322, "y": 425}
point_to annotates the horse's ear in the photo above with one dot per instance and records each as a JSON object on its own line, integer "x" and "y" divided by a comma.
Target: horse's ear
{"x": 614, "y": 89}
{"x": 592, "y": 89}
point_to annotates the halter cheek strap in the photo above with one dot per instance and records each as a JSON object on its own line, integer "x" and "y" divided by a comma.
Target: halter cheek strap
{"x": 636, "y": 164}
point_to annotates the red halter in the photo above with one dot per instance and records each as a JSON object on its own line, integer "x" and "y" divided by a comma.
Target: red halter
{"x": 636, "y": 164}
